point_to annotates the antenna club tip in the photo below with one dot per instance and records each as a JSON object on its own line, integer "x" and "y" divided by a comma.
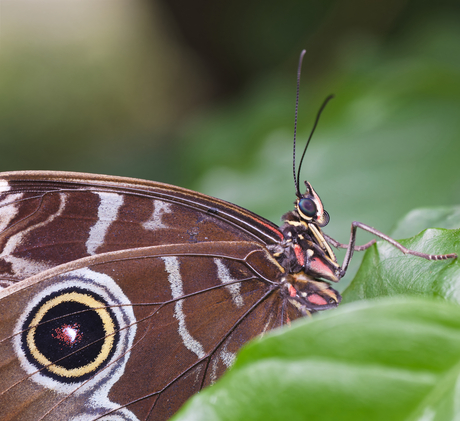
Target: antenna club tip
{"x": 302, "y": 53}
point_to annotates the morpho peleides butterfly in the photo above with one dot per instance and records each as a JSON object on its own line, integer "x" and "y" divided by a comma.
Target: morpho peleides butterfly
{"x": 124, "y": 297}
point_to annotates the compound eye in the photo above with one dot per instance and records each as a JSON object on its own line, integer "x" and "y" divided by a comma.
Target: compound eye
{"x": 307, "y": 207}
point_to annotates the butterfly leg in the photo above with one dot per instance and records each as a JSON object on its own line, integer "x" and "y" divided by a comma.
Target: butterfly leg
{"x": 351, "y": 247}
{"x": 338, "y": 245}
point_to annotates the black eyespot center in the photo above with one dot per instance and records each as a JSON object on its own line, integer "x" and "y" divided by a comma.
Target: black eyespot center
{"x": 70, "y": 335}
{"x": 307, "y": 207}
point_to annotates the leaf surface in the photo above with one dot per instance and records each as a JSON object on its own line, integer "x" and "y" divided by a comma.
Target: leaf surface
{"x": 395, "y": 359}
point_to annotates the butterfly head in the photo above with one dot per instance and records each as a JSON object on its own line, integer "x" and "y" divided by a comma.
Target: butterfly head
{"x": 310, "y": 208}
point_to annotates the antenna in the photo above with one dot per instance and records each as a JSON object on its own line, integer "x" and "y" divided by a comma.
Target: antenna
{"x": 308, "y": 142}
{"x": 296, "y": 181}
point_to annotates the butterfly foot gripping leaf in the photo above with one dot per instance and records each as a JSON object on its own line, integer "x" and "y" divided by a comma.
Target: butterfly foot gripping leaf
{"x": 124, "y": 297}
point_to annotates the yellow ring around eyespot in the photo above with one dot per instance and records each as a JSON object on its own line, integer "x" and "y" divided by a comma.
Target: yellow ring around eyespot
{"x": 109, "y": 329}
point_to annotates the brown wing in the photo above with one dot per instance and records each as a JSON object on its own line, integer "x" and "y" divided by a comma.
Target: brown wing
{"x": 171, "y": 317}
{"x": 50, "y": 218}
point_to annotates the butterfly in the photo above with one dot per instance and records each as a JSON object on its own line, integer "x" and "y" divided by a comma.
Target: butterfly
{"x": 122, "y": 297}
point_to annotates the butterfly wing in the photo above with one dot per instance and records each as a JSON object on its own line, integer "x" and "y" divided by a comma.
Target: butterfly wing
{"x": 133, "y": 295}
{"x": 50, "y": 218}
{"x": 133, "y": 333}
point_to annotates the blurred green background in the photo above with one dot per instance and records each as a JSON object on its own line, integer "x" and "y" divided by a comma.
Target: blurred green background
{"x": 201, "y": 94}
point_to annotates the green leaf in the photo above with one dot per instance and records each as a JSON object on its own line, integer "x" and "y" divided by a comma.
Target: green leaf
{"x": 385, "y": 271}
{"x": 419, "y": 219}
{"x": 395, "y": 359}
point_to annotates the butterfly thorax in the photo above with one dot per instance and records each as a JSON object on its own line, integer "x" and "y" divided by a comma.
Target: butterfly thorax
{"x": 306, "y": 256}
{"x": 304, "y": 247}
